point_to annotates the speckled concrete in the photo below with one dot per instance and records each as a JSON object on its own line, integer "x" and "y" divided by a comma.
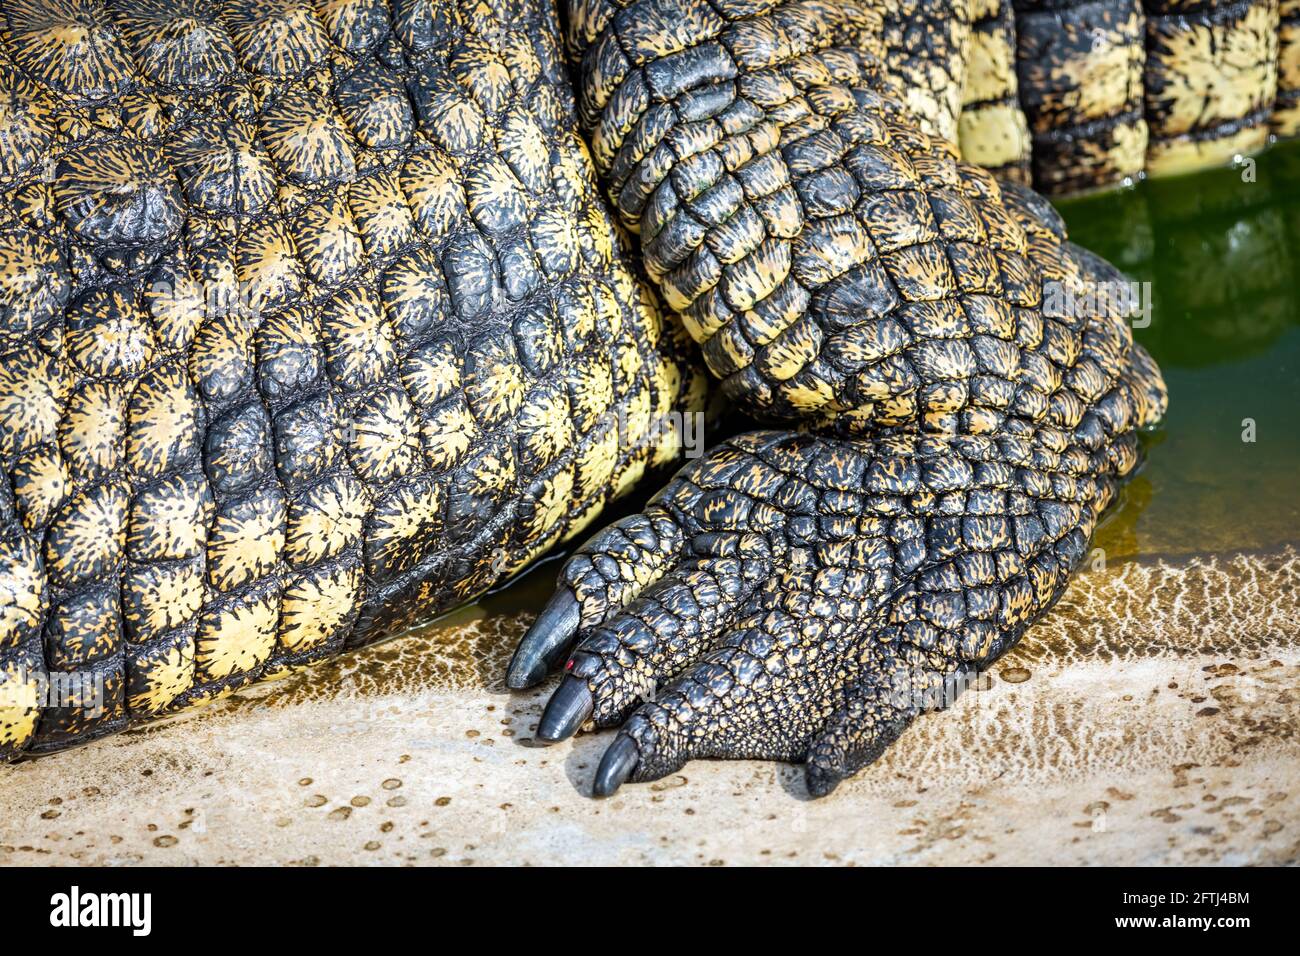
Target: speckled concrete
{"x": 1151, "y": 719}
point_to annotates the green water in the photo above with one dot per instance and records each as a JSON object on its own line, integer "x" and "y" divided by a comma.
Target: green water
{"x": 1222, "y": 254}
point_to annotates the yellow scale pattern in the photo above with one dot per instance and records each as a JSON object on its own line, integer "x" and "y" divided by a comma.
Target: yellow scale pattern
{"x": 1113, "y": 89}
{"x": 837, "y": 265}
{"x": 992, "y": 130}
{"x": 313, "y": 324}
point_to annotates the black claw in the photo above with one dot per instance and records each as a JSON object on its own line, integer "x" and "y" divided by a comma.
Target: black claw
{"x": 820, "y": 783}
{"x": 566, "y": 711}
{"x": 616, "y": 766}
{"x": 546, "y": 643}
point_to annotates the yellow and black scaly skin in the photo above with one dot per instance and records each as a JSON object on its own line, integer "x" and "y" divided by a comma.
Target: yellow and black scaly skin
{"x": 313, "y": 324}
{"x": 838, "y": 266}
{"x": 1081, "y": 66}
{"x": 316, "y": 321}
{"x": 926, "y": 50}
{"x": 1285, "y": 121}
{"x": 1211, "y": 80}
{"x": 993, "y": 131}
{"x": 1116, "y": 89}
{"x": 804, "y": 597}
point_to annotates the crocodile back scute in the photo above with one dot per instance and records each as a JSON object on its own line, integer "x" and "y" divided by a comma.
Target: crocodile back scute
{"x": 313, "y": 324}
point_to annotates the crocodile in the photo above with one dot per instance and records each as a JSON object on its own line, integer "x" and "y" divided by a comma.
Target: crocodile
{"x": 320, "y": 318}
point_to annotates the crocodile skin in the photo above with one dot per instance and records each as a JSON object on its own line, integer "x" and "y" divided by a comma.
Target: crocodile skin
{"x": 836, "y": 264}
{"x": 1080, "y": 70}
{"x": 806, "y": 597}
{"x": 1285, "y": 121}
{"x": 1212, "y": 80}
{"x": 313, "y": 325}
{"x": 1114, "y": 89}
{"x": 993, "y": 130}
{"x": 316, "y": 323}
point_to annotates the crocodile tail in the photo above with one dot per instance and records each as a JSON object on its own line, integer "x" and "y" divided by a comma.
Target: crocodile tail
{"x": 992, "y": 129}
{"x": 1079, "y": 70}
{"x": 1115, "y": 88}
{"x": 929, "y": 50}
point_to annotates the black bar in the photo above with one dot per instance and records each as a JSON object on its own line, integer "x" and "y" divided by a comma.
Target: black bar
{"x": 1146, "y": 905}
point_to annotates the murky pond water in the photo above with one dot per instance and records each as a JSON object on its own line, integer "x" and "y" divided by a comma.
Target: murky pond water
{"x": 1221, "y": 251}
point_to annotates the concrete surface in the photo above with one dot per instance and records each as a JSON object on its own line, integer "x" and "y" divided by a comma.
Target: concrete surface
{"x": 1151, "y": 719}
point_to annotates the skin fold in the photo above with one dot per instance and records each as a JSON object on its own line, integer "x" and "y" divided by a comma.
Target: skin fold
{"x": 318, "y": 319}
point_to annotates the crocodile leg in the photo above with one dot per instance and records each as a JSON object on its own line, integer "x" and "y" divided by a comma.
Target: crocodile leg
{"x": 870, "y": 578}
{"x": 972, "y": 400}
{"x": 839, "y": 267}
{"x": 878, "y": 575}
{"x": 880, "y": 572}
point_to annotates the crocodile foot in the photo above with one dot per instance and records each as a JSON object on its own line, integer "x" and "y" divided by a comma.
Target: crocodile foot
{"x": 803, "y": 598}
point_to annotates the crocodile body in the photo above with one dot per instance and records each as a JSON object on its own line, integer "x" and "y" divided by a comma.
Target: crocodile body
{"x": 314, "y": 326}
{"x": 319, "y": 319}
